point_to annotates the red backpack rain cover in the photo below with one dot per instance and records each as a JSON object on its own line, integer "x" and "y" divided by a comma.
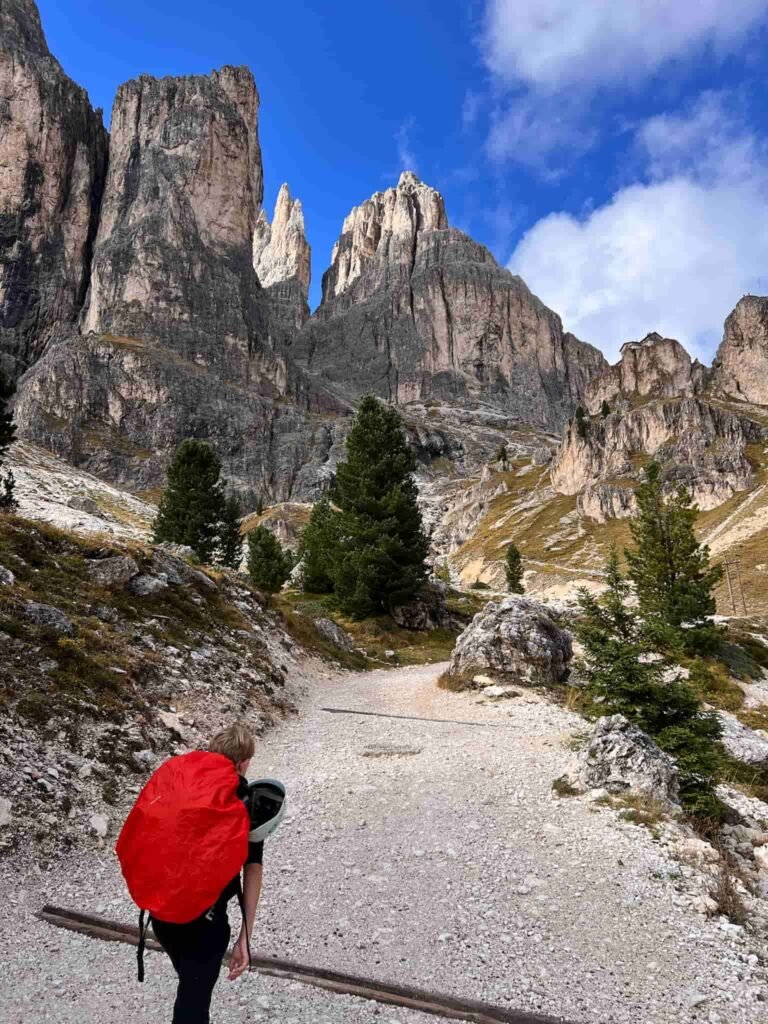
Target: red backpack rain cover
{"x": 186, "y": 837}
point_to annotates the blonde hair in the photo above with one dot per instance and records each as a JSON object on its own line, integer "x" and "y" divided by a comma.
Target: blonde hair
{"x": 235, "y": 742}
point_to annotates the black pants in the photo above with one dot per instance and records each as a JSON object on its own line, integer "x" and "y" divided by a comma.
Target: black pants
{"x": 196, "y": 951}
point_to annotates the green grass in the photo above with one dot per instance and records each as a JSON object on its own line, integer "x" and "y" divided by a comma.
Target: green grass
{"x": 374, "y": 635}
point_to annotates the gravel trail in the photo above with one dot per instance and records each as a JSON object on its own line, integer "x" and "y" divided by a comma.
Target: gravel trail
{"x": 429, "y": 853}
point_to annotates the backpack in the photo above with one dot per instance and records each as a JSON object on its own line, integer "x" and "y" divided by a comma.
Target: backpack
{"x": 185, "y": 839}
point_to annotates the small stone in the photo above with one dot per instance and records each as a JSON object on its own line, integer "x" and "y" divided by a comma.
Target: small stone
{"x": 100, "y": 824}
{"x": 48, "y": 617}
{"x": 5, "y": 811}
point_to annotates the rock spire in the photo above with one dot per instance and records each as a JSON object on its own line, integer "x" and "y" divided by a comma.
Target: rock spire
{"x": 281, "y": 259}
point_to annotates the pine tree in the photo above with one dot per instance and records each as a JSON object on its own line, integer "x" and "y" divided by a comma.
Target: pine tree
{"x": 514, "y": 570}
{"x": 605, "y": 409}
{"x": 7, "y": 437}
{"x": 192, "y": 506}
{"x": 582, "y": 423}
{"x": 628, "y": 676}
{"x": 268, "y": 565}
{"x": 382, "y": 544}
{"x": 502, "y": 456}
{"x": 318, "y": 548}
{"x": 670, "y": 569}
{"x": 230, "y": 551}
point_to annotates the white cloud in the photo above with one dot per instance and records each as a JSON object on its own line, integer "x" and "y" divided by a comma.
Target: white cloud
{"x": 674, "y": 254}
{"x": 552, "y": 44}
{"x": 405, "y": 153}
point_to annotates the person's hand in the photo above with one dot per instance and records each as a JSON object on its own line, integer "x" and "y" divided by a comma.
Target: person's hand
{"x": 238, "y": 961}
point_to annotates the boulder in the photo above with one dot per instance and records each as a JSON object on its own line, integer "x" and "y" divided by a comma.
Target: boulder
{"x": 145, "y": 585}
{"x": 333, "y": 633}
{"x": 178, "y": 572}
{"x": 517, "y": 638}
{"x": 745, "y": 744}
{"x": 47, "y": 616}
{"x": 84, "y": 504}
{"x": 113, "y": 572}
{"x": 619, "y": 757}
{"x": 427, "y": 610}
{"x": 7, "y": 579}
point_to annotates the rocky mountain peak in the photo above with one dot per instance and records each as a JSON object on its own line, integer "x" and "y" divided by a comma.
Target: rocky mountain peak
{"x": 280, "y": 249}
{"x": 381, "y": 234}
{"x": 740, "y": 368}
{"x": 655, "y": 367}
{"x": 173, "y": 256}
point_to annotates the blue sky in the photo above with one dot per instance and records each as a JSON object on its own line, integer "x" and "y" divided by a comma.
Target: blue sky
{"x": 613, "y": 154}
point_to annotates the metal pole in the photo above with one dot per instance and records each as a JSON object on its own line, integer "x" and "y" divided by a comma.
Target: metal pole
{"x": 741, "y": 588}
{"x": 730, "y": 587}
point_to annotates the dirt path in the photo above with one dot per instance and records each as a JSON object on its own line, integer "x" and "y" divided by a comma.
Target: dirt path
{"x": 425, "y": 853}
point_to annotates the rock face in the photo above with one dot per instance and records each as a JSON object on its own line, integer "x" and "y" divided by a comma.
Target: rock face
{"x": 427, "y": 610}
{"x": 655, "y": 367}
{"x": 281, "y": 259}
{"x": 699, "y": 444}
{"x": 620, "y": 757}
{"x": 745, "y": 744}
{"x": 414, "y": 309}
{"x": 119, "y": 407}
{"x": 53, "y": 156}
{"x": 741, "y": 364}
{"x": 172, "y": 260}
{"x": 518, "y": 638}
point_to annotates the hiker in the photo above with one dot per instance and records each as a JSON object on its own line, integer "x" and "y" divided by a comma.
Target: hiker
{"x": 195, "y": 825}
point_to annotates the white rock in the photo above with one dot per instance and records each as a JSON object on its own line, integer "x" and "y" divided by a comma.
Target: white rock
{"x": 100, "y": 824}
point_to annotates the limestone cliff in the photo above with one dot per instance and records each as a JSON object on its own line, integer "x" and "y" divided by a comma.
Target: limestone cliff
{"x": 698, "y": 444}
{"x": 53, "y": 155}
{"x": 413, "y": 309}
{"x": 281, "y": 259}
{"x": 655, "y": 367}
{"x": 118, "y": 407}
{"x": 172, "y": 260}
{"x": 741, "y": 364}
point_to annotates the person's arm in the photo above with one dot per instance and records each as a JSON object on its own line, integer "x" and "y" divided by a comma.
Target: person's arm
{"x": 252, "y": 877}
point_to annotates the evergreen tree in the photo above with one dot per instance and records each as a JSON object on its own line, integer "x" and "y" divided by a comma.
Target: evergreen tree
{"x": 605, "y": 409}
{"x": 192, "y": 506}
{"x": 230, "y": 536}
{"x": 582, "y": 423}
{"x": 502, "y": 456}
{"x": 382, "y": 544}
{"x": 318, "y": 548}
{"x": 514, "y": 570}
{"x": 268, "y": 565}
{"x": 670, "y": 569}
{"x": 7, "y": 437}
{"x": 627, "y": 676}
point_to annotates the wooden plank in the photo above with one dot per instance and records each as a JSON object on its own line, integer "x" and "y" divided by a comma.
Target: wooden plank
{"x": 386, "y": 992}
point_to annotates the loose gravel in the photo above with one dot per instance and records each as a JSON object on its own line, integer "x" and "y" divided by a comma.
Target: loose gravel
{"x": 425, "y": 853}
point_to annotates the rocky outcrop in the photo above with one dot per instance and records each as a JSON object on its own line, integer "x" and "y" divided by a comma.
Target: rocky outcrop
{"x": 740, "y": 369}
{"x": 518, "y": 638}
{"x": 427, "y": 610}
{"x": 333, "y": 633}
{"x": 281, "y": 259}
{"x": 172, "y": 261}
{"x": 655, "y": 367}
{"x": 698, "y": 444}
{"x": 413, "y": 309}
{"x": 745, "y": 744}
{"x": 619, "y": 757}
{"x": 53, "y": 155}
{"x": 119, "y": 407}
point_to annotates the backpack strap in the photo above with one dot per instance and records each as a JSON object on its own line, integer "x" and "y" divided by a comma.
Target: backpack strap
{"x": 143, "y": 925}
{"x": 241, "y": 902}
